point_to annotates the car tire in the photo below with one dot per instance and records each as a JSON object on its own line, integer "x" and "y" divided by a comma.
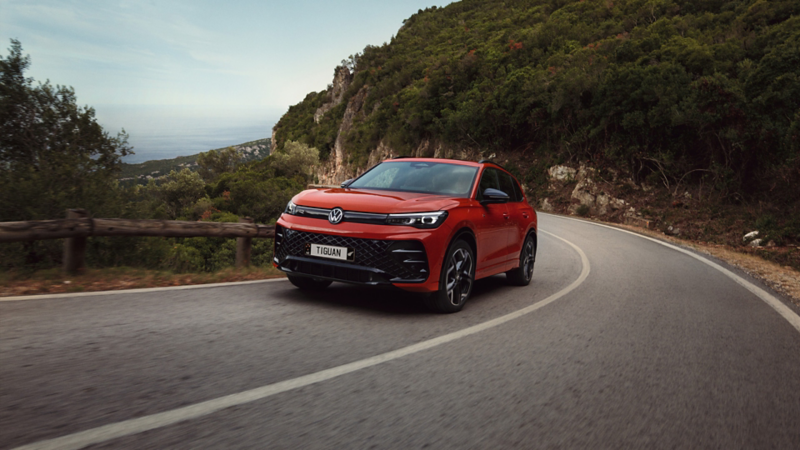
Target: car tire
{"x": 309, "y": 284}
{"x": 521, "y": 276}
{"x": 456, "y": 279}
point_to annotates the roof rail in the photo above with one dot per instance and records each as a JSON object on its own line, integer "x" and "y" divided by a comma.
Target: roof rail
{"x": 492, "y": 162}
{"x": 401, "y": 157}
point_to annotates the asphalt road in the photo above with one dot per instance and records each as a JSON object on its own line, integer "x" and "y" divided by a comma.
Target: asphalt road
{"x": 619, "y": 342}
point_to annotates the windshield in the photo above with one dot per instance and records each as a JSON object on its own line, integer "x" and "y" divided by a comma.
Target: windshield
{"x": 419, "y": 176}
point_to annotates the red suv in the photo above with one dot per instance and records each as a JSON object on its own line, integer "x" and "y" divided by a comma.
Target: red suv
{"x": 420, "y": 224}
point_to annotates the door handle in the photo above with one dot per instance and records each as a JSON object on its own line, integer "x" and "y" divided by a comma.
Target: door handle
{"x": 506, "y": 216}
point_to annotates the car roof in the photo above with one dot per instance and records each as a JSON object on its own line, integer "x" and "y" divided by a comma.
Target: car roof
{"x": 439, "y": 160}
{"x": 444, "y": 160}
{"x": 448, "y": 161}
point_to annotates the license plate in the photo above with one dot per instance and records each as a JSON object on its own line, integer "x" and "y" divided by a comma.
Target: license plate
{"x": 330, "y": 252}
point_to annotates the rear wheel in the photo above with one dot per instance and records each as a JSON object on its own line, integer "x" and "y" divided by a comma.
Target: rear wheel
{"x": 521, "y": 276}
{"x": 309, "y": 284}
{"x": 455, "y": 281}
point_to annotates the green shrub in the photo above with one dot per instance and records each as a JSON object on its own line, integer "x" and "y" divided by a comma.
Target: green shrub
{"x": 184, "y": 258}
{"x": 261, "y": 255}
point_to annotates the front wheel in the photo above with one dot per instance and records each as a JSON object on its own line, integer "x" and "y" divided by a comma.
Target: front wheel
{"x": 309, "y": 284}
{"x": 521, "y": 276}
{"x": 455, "y": 281}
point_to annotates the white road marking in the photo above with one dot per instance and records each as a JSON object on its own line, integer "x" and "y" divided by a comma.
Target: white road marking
{"x": 139, "y": 425}
{"x": 133, "y": 291}
{"x": 768, "y": 298}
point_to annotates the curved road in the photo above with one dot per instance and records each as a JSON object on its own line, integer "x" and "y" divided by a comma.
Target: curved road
{"x": 619, "y": 342}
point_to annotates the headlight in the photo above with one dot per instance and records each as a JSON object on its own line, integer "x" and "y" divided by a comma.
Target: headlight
{"x": 290, "y": 208}
{"x": 418, "y": 220}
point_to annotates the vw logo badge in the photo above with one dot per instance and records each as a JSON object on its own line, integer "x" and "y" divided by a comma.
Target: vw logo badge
{"x": 336, "y": 215}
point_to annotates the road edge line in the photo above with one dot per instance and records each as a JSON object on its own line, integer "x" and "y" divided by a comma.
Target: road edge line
{"x": 134, "y": 291}
{"x": 766, "y": 297}
{"x": 141, "y": 424}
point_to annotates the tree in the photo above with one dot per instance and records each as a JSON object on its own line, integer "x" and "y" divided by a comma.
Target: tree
{"x": 53, "y": 153}
{"x": 351, "y": 62}
{"x": 179, "y": 191}
{"x": 296, "y": 159}
{"x": 213, "y": 163}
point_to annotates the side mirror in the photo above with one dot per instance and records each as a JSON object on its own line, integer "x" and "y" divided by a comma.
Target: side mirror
{"x": 491, "y": 195}
{"x": 346, "y": 183}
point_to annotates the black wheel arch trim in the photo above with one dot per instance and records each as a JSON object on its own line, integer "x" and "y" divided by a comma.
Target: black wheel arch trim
{"x": 532, "y": 232}
{"x": 471, "y": 240}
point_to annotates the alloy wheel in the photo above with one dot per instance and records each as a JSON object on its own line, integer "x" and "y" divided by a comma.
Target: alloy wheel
{"x": 530, "y": 259}
{"x": 459, "y": 276}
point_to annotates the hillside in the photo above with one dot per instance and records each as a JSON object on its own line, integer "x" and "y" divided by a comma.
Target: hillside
{"x": 140, "y": 173}
{"x": 675, "y": 91}
{"x": 682, "y": 115}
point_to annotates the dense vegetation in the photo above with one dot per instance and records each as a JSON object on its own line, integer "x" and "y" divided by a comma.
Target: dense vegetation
{"x": 691, "y": 90}
{"x": 664, "y": 91}
{"x": 54, "y": 156}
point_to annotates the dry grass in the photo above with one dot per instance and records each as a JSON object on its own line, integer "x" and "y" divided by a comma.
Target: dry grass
{"x": 53, "y": 281}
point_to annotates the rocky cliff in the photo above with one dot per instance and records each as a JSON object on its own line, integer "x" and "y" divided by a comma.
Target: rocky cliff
{"x": 336, "y": 169}
{"x": 338, "y": 166}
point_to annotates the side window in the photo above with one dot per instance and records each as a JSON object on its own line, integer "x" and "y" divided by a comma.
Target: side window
{"x": 518, "y": 191}
{"x": 489, "y": 179}
{"x": 507, "y": 185}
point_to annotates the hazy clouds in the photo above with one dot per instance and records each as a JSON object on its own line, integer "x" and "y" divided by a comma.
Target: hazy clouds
{"x": 153, "y": 66}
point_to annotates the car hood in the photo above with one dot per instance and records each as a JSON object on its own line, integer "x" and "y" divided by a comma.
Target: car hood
{"x": 374, "y": 201}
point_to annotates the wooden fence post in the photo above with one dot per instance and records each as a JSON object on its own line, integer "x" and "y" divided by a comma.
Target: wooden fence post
{"x": 75, "y": 247}
{"x": 243, "y": 246}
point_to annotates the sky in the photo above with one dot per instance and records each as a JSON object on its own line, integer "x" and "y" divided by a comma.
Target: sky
{"x": 183, "y": 77}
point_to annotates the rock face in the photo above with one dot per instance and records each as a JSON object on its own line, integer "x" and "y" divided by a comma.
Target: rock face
{"x": 341, "y": 81}
{"x": 753, "y": 240}
{"x": 545, "y": 205}
{"x": 586, "y": 190}
{"x": 338, "y": 168}
{"x": 335, "y": 170}
{"x": 562, "y": 173}
{"x": 274, "y": 142}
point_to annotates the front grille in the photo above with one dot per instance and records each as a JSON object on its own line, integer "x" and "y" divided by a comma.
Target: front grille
{"x": 396, "y": 260}
{"x": 354, "y": 275}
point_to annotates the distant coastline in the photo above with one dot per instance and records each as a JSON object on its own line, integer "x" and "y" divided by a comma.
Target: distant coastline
{"x": 156, "y": 169}
{"x": 168, "y": 132}
{"x": 168, "y": 146}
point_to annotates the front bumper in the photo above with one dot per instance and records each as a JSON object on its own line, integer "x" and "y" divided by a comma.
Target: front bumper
{"x": 382, "y": 256}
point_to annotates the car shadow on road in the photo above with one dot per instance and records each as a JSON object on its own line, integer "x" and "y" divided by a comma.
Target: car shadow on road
{"x": 383, "y": 301}
{"x": 387, "y": 301}
{"x": 487, "y": 288}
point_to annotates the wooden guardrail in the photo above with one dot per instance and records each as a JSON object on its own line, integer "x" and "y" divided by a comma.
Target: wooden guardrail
{"x": 78, "y": 226}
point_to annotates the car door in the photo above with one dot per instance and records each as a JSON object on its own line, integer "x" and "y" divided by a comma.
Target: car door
{"x": 519, "y": 214}
{"x": 492, "y": 223}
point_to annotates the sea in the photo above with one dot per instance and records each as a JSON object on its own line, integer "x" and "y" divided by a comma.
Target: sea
{"x": 165, "y": 133}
